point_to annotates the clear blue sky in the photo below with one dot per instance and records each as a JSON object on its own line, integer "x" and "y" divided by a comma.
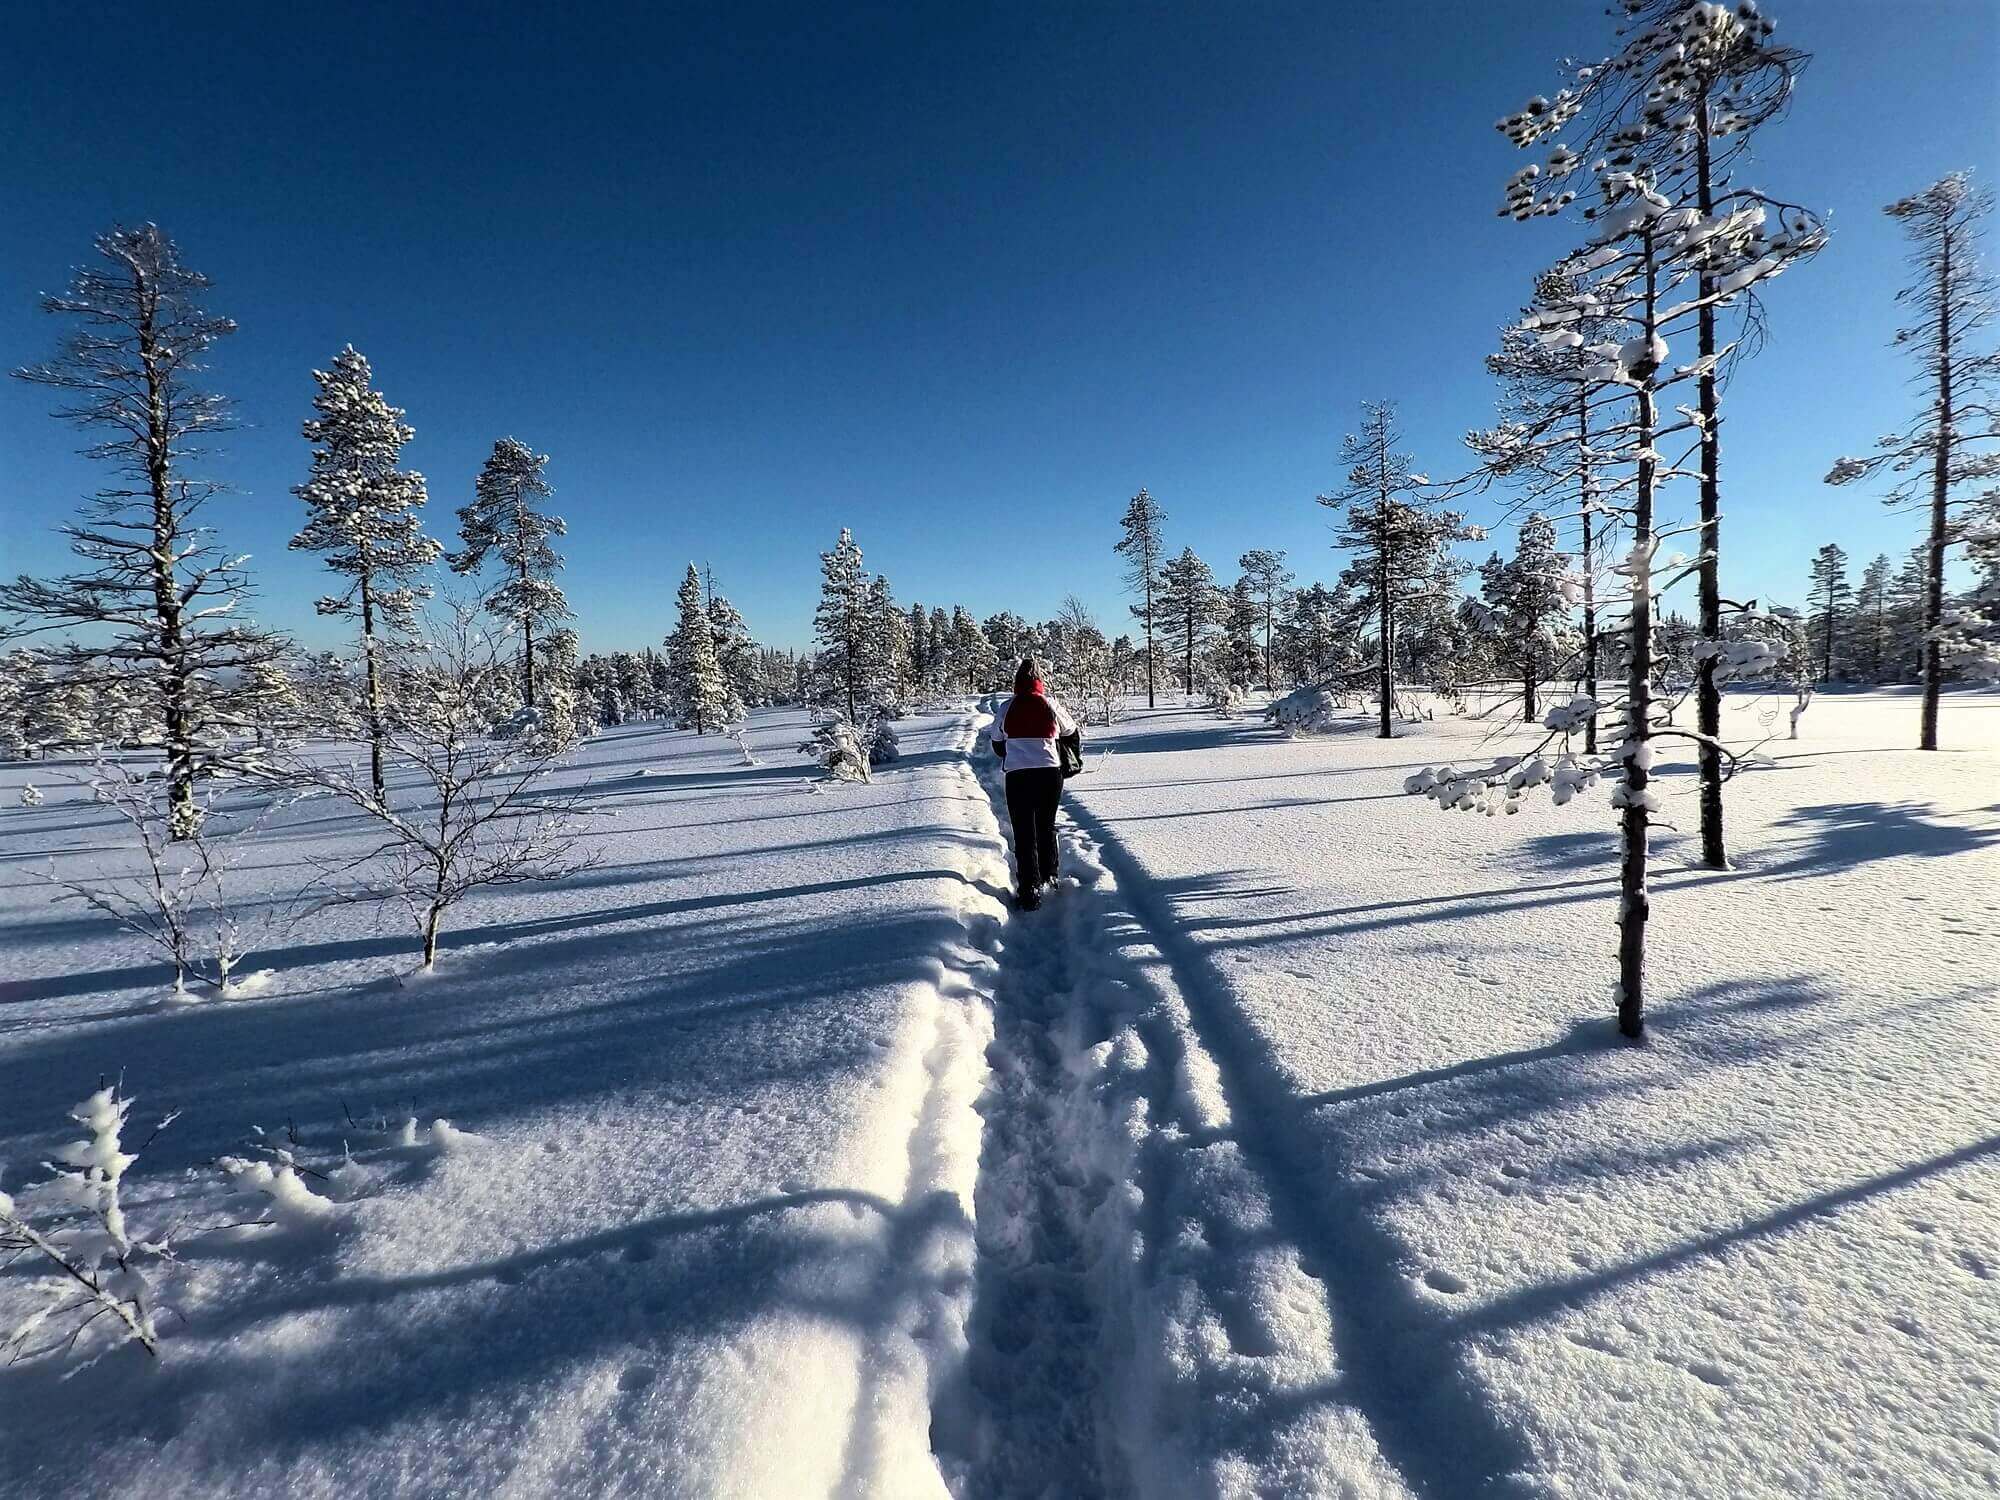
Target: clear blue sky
{"x": 962, "y": 277}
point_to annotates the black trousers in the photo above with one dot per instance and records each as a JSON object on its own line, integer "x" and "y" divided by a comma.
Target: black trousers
{"x": 1032, "y": 798}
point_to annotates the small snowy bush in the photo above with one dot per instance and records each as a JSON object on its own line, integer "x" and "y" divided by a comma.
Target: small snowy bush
{"x": 1307, "y": 710}
{"x": 837, "y": 745}
{"x": 100, "y": 1274}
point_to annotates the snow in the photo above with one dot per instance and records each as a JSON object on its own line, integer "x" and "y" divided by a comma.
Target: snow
{"x": 713, "y": 1236}
{"x": 1761, "y": 1246}
{"x": 1289, "y": 1149}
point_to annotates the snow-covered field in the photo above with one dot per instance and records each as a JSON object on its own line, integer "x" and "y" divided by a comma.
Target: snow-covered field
{"x": 1288, "y": 1151}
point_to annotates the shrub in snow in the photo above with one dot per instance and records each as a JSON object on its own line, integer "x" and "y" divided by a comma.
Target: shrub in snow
{"x": 101, "y": 1272}
{"x": 839, "y": 747}
{"x": 483, "y": 812}
{"x": 882, "y": 745}
{"x": 174, "y": 894}
{"x": 31, "y": 795}
{"x": 1308, "y": 710}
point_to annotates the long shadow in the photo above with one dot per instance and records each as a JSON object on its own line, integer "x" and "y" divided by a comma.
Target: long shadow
{"x": 441, "y": 1340}
{"x": 1547, "y": 1298}
{"x": 1406, "y": 1375}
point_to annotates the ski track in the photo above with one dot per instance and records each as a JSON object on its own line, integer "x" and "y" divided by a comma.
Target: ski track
{"x": 1143, "y": 1322}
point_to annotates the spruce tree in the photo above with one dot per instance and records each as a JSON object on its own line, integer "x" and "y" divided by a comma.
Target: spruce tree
{"x": 701, "y": 692}
{"x": 362, "y": 518}
{"x": 841, "y": 625}
{"x": 1528, "y": 608}
{"x": 1190, "y": 609}
{"x": 735, "y": 653}
{"x": 1871, "y": 615}
{"x": 504, "y": 521}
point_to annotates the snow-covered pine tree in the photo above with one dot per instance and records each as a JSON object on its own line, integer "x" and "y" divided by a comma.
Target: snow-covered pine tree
{"x": 919, "y": 627}
{"x": 1265, "y": 569}
{"x": 736, "y": 654}
{"x": 1317, "y": 635}
{"x": 1527, "y": 608}
{"x": 972, "y": 657}
{"x": 1009, "y": 635}
{"x": 1684, "y": 94}
{"x": 1831, "y": 600}
{"x": 1871, "y": 620}
{"x": 159, "y": 604}
{"x": 505, "y": 521}
{"x": 1948, "y": 456}
{"x": 841, "y": 625}
{"x": 1144, "y": 548}
{"x": 701, "y": 692}
{"x": 1546, "y": 449}
{"x": 888, "y": 647}
{"x": 361, "y": 516}
{"x": 1189, "y": 609}
{"x": 939, "y": 635}
{"x": 1637, "y": 271}
{"x": 1242, "y": 615}
{"x": 1396, "y": 533}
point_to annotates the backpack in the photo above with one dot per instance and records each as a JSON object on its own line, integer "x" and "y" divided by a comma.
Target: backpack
{"x": 1069, "y": 753}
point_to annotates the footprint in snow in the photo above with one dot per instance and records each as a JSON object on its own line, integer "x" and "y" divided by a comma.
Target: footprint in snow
{"x": 1444, "y": 1281}
{"x": 637, "y": 1377}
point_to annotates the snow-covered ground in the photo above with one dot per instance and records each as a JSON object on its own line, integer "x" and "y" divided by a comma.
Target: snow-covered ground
{"x": 714, "y": 1234}
{"x": 1759, "y": 1255}
{"x": 1288, "y": 1151}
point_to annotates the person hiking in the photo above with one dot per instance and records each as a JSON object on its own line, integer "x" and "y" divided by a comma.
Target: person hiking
{"x": 1039, "y": 744}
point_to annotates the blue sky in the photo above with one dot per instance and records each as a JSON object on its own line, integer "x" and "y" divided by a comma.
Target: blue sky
{"x": 961, "y": 277}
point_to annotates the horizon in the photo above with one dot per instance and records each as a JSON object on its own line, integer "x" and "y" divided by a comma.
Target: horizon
{"x": 750, "y": 280}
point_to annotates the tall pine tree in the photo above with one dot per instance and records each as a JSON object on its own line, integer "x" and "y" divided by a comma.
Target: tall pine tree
{"x": 362, "y": 517}
{"x": 504, "y": 521}
{"x": 161, "y": 606}
{"x": 1144, "y": 548}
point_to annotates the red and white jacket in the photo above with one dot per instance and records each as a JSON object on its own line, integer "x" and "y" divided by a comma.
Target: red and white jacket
{"x": 1025, "y": 730}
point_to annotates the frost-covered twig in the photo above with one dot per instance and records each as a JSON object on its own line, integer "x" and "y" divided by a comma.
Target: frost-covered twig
{"x": 98, "y": 1261}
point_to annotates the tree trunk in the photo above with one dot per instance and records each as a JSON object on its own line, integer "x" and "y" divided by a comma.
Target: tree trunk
{"x": 1940, "y": 479}
{"x": 1588, "y": 477}
{"x": 1528, "y": 714}
{"x": 1149, "y": 637}
{"x": 1634, "y": 902}
{"x": 374, "y": 678}
{"x": 182, "y": 818}
{"x": 1387, "y": 669}
{"x": 1707, "y": 695}
{"x": 433, "y": 917}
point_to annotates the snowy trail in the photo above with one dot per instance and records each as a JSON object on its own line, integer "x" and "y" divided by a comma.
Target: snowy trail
{"x": 1143, "y": 1322}
{"x": 1028, "y": 1418}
